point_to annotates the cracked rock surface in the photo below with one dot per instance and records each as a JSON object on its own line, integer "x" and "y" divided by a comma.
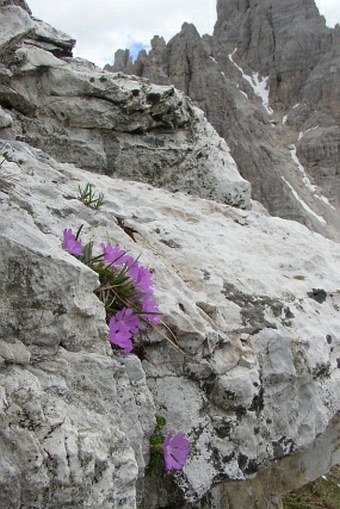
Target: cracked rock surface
{"x": 253, "y": 381}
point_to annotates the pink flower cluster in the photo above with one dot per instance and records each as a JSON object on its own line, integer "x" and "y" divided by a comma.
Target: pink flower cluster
{"x": 125, "y": 323}
{"x": 122, "y": 326}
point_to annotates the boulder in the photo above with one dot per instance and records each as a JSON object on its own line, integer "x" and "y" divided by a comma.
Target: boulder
{"x": 123, "y": 127}
{"x": 250, "y": 373}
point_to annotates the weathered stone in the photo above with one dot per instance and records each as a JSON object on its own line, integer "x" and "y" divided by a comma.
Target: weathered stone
{"x": 14, "y": 352}
{"x": 246, "y": 359}
{"x": 252, "y": 379}
{"x": 5, "y": 119}
{"x": 281, "y": 39}
{"x": 17, "y": 25}
{"x": 19, "y": 3}
{"x": 110, "y": 124}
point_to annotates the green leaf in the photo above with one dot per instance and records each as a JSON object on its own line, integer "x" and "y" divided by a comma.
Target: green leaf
{"x": 160, "y": 422}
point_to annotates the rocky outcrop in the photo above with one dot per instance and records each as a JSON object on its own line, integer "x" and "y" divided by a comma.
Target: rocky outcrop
{"x": 18, "y": 27}
{"x": 253, "y": 303}
{"x": 245, "y": 361}
{"x": 20, "y": 3}
{"x": 107, "y": 123}
{"x": 268, "y": 75}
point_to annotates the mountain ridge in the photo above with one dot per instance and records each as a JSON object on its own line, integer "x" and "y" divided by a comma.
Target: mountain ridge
{"x": 292, "y": 155}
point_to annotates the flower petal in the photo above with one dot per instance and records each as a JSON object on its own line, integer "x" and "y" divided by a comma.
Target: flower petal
{"x": 175, "y": 451}
{"x": 127, "y": 316}
{"x": 70, "y": 244}
{"x": 150, "y": 309}
{"x": 120, "y": 335}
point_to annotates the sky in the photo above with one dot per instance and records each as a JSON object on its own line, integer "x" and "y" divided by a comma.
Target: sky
{"x": 114, "y": 24}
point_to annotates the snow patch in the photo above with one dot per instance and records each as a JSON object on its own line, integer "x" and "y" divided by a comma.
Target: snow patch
{"x": 305, "y": 178}
{"x": 312, "y": 129}
{"x": 304, "y": 204}
{"x": 259, "y": 85}
{"x": 284, "y": 119}
{"x": 301, "y": 134}
{"x": 213, "y": 59}
{"x": 299, "y": 166}
{"x": 296, "y": 106}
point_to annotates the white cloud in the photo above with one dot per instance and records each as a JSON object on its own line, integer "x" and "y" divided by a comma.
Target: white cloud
{"x": 111, "y": 25}
{"x": 107, "y": 25}
{"x": 329, "y": 9}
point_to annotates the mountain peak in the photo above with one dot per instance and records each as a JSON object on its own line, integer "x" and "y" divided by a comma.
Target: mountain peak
{"x": 268, "y": 79}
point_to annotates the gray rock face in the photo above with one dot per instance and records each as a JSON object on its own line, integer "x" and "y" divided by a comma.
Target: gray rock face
{"x": 280, "y": 39}
{"x": 18, "y": 27}
{"x": 269, "y": 73}
{"x": 108, "y": 123}
{"x": 20, "y": 3}
{"x": 253, "y": 302}
{"x": 5, "y": 119}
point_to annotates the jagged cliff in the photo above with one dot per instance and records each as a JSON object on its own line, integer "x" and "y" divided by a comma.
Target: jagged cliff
{"x": 268, "y": 81}
{"x": 251, "y": 372}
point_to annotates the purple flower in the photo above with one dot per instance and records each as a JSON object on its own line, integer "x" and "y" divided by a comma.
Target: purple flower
{"x": 120, "y": 334}
{"x": 114, "y": 254}
{"x": 127, "y": 316}
{"x": 70, "y": 244}
{"x": 175, "y": 451}
{"x": 122, "y": 326}
{"x": 150, "y": 309}
{"x": 142, "y": 277}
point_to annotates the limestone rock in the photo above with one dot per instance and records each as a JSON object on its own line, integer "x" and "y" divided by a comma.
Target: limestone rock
{"x": 322, "y": 144}
{"x": 253, "y": 382}
{"x": 280, "y": 39}
{"x": 5, "y": 119}
{"x": 246, "y": 361}
{"x": 20, "y": 3}
{"x": 124, "y": 127}
{"x": 151, "y": 65}
{"x": 17, "y": 26}
{"x": 122, "y": 59}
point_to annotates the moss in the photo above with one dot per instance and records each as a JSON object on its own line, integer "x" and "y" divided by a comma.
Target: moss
{"x": 321, "y": 494}
{"x": 156, "y": 451}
